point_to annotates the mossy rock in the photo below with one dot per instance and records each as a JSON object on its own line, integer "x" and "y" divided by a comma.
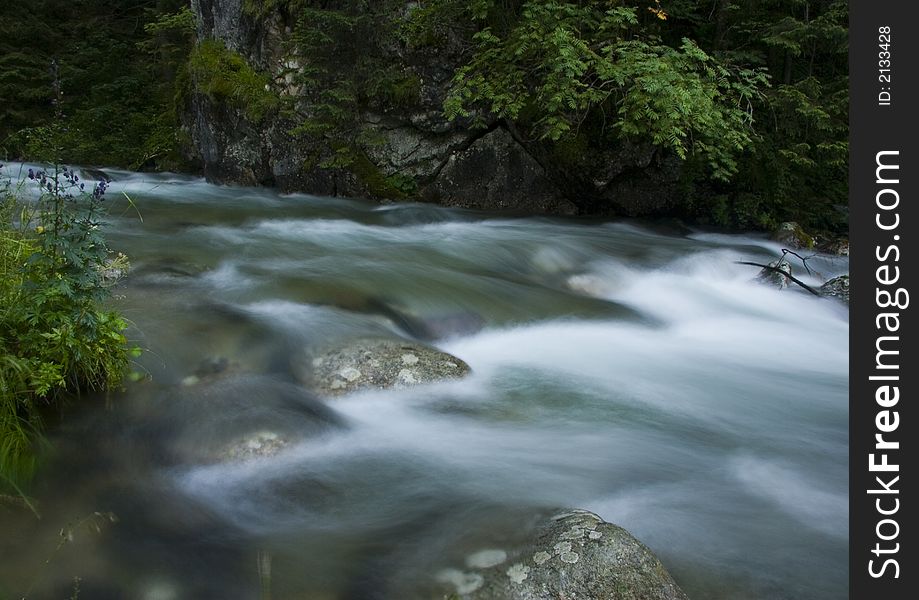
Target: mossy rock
{"x": 791, "y": 235}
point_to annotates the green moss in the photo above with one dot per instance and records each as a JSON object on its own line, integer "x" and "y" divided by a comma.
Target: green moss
{"x": 404, "y": 183}
{"x": 370, "y": 176}
{"x": 400, "y": 91}
{"x": 805, "y": 239}
{"x": 225, "y": 76}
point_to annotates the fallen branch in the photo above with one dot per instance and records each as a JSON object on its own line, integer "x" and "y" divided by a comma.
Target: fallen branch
{"x": 786, "y": 274}
{"x": 785, "y": 252}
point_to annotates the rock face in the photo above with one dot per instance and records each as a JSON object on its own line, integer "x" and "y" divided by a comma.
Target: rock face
{"x": 838, "y": 287}
{"x": 380, "y": 363}
{"x": 398, "y": 145}
{"x": 495, "y": 172}
{"x": 574, "y": 555}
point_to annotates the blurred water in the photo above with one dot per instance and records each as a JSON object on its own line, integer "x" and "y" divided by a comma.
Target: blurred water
{"x": 637, "y": 373}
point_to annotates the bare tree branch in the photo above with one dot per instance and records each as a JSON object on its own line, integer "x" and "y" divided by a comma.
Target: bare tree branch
{"x": 778, "y": 270}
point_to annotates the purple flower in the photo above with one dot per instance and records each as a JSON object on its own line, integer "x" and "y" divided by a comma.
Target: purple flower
{"x": 31, "y": 174}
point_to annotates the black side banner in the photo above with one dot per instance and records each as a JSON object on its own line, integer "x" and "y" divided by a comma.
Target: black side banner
{"x": 884, "y": 371}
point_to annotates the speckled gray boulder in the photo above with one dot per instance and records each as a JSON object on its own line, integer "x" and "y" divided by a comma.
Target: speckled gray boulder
{"x": 574, "y": 555}
{"x": 773, "y": 278}
{"x": 380, "y": 363}
{"x": 837, "y": 287}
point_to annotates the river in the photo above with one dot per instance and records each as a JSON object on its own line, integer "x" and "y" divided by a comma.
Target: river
{"x": 635, "y": 371}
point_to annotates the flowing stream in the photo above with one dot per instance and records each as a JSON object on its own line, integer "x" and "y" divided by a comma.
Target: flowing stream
{"x": 636, "y": 372}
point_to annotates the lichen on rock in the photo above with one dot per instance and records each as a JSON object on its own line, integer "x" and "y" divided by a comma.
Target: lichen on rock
{"x": 378, "y": 363}
{"x": 575, "y": 555}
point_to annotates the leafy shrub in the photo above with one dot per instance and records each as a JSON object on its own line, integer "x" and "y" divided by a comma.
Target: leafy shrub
{"x": 55, "y": 336}
{"x": 561, "y": 61}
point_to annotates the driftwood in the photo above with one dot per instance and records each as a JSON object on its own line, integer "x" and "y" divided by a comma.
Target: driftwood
{"x": 778, "y": 270}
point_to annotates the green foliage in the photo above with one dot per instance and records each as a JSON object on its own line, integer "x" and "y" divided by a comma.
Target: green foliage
{"x": 346, "y": 61}
{"x": 55, "y": 336}
{"x": 797, "y": 167}
{"x": 562, "y": 61}
{"x": 225, "y": 76}
{"x": 343, "y": 67}
{"x": 116, "y": 78}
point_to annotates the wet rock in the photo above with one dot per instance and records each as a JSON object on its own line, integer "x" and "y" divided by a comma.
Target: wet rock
{"x": 242, "y": 417}
{"x": 589, "y": 285}
{"x": 790, "y": 235}
{"x": 837, "y": 287}
{"x": 164, "y": 272}
{"x": 574, "y": 555}
{"x": 380, "y": 363}
{"x": 89, "y": 174}
{"x": 773, "y": 278}
{"x": 259, "y": 444}
{"x": 446, "y": 325}
{"x": 839, "y": 247}
{"x": 211, "y": 368}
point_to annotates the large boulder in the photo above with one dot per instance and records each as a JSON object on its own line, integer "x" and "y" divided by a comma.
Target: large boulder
{"x": 379, "y": 363}
{"x": 573, "y": 555}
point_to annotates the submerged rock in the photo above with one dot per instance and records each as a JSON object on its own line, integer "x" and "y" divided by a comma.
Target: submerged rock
{"x": 210, "y": 368}
{"x": 259, "y": 444}
{"x": 574, "y": 555}
{"x": 837, "y": 287}
{"x": 241, "y": 417}
{"x": 380, "y": 363}
{"x": 427, "y": 326}
{"x": 773, "y": 278}
{"x": 791, "y": 235}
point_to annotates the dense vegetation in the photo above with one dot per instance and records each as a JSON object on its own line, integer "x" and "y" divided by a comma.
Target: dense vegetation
{"x": 752, "y": 95}
{"x": 750, "y": 92}
{"x": 56, "y": 336}
{"x": 116, "y": 64}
